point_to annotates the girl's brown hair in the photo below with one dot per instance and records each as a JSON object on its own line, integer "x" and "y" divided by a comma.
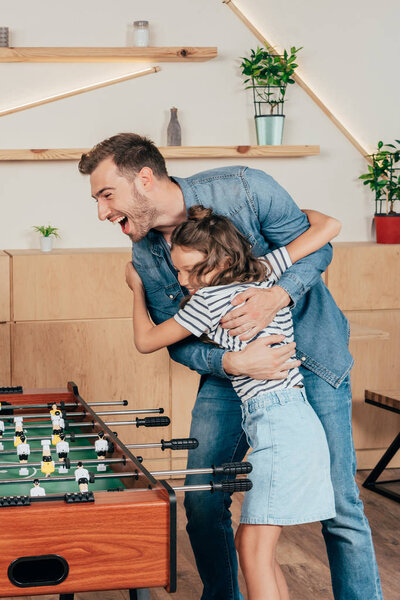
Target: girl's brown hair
{"x": 216, "y": 237}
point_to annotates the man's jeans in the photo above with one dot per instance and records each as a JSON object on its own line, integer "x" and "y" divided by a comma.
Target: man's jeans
{"x": 217, "y": 425}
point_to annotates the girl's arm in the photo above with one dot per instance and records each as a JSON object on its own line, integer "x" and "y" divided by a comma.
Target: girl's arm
{"x": 147, "y": 336}
{"x": 321, "y": 231}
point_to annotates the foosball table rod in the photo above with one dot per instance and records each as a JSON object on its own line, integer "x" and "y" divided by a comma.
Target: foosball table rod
{"x": 174, "y": 444}
{"x": 240, "y": 468}
{"x": 146, "y": 422}
{"x": 82, "y": 414}
{"x": 8, "y": 407}
{"x": 243, "y": 484}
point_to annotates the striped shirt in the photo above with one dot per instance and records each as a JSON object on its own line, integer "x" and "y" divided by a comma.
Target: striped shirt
{"x": 205, "y": 309}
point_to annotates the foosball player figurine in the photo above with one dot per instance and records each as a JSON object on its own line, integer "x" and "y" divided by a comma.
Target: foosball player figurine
{"x": 23, "y": 451}
{"x": 101, "y": 448}
{"x": 58, "y": 424}
{"x": 19, "y": 430}
{"x": 82, "y": 477}
{"x": 57, "y": 415}
{"x": 62, "y": 449}
{"x": 54, "y": 409}
{"x": 1, "y": 433}
{"x": 37, "y": 490}
{"x": 48, "y": 466}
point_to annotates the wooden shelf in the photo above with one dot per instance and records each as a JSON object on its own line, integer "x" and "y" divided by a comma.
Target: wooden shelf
{"x": 172, "y": 152}
{"x": 121, "y": 54}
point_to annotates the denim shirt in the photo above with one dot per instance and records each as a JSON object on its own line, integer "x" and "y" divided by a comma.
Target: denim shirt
{"x": 265, "y": 213}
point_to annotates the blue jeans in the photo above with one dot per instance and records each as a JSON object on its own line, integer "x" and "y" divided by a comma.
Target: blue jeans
{"x": 216, "y": 423}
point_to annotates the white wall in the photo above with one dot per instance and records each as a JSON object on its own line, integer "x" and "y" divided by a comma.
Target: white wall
{"x": 350, "y": 59}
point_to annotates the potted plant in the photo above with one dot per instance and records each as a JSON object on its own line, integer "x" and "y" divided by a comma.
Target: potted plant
{"x": 47, "y": 233}
{"x": 383, "y": 178}
{"x": 268, "y": 75}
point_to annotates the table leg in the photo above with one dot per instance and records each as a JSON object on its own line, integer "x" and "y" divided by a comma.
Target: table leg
{"x": 140, "y": 594}
{"x": 383, "y": 462}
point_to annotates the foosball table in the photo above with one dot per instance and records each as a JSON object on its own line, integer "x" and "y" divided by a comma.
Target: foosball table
{"x": 78, "y": 510}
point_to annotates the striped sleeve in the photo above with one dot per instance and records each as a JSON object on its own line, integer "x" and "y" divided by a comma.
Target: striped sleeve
{"x": 195, "y": 316}
{"x": 279, "y": 260}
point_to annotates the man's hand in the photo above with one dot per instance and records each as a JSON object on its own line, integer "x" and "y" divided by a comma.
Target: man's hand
{"x": 259, "y": 361}
{"x": 132, "y": 278}
{"x": 259, "y": 309}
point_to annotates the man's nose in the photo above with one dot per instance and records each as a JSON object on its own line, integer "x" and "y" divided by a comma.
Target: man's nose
{"x": 102, "y": 210}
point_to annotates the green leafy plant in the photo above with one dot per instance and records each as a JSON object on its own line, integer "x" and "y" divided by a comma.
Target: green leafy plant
{"x": 383, "y": 177}
{"x": 47, "y": 231}
{"x": 269, "y": 74}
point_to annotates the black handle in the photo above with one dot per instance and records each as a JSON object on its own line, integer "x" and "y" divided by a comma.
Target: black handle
{"x": 235, "y": 468}
{"x": 124, "y": 402}
{"x": 153, "y": 422}
{"x": 180, "y": 444}
{"x": 13, "y": 389}
{"x": 236, "y": 485}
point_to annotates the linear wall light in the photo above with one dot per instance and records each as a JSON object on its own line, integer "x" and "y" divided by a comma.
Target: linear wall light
{"x": 81, "y": 90}
{"x": 301, "y": 83}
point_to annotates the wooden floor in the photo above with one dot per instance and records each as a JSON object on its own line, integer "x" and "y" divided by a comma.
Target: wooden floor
{"x": 301, "y": 553}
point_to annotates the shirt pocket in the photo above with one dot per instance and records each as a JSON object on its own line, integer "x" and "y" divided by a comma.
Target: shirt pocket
{"x": 163, "y": 301}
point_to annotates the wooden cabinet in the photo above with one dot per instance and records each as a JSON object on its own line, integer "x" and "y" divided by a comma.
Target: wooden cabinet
{"x": 5, "y": 354}
{"x": 70, "y": 284}
{"x": 364, "y": 279}
{"x": 365, "y": 276}
{"x": 71, "y": 320}
{"x": 4, "y": 287}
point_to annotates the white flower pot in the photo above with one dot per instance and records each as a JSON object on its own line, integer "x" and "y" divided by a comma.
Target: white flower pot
{"x": 46, "y": 243}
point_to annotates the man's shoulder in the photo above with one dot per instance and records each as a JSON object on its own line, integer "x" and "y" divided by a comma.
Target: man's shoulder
{"x": 212, "y": 174}
{"x": 233, "y": 172}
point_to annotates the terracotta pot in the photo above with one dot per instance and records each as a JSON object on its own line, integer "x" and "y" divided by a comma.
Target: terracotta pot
{"x": 387, "y": 229}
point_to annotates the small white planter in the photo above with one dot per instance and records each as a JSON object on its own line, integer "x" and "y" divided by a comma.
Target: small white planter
{"x": 46, "y": 243}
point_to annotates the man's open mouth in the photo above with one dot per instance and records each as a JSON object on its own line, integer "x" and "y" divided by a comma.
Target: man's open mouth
{"x": 123, "y": 221}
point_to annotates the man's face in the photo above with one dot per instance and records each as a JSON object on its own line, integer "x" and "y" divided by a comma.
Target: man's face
{"x": 119, "y": 201}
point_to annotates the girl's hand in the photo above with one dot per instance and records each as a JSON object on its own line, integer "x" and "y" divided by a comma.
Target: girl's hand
{"x": 132, "y": 277}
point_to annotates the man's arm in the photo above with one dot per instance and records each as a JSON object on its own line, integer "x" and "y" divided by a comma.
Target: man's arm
{"x": 257, "y": 360}
{"x": 281, "y": 221}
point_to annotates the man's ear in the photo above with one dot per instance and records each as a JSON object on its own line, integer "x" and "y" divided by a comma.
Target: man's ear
{"x": 145, "y": 180}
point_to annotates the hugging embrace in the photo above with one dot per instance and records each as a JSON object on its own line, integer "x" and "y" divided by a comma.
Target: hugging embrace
{"x": 247, "y": 262}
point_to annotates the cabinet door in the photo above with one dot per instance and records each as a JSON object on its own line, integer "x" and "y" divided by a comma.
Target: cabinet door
{"x": 184, "y": 384}
{"x": 4, "y": 287}
{"x": 376, "y": 366}
{"x": 365, "y": 276}
{"x": 67, "y": 284}
{"x": 100, "y": 357}
{"x": 5, "y": 363}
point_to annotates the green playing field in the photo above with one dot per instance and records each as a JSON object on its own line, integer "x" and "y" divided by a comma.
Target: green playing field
{"x": 51, "y": 486}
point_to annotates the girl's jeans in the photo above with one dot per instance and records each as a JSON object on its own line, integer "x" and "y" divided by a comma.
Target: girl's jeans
{"x": 216, "y": 423}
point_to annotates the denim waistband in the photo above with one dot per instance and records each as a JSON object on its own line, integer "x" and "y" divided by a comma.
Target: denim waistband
{"x": 266, "y": 399}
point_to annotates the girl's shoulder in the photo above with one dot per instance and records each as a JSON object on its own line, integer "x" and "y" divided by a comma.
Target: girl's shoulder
{"x": 231, "y": 289}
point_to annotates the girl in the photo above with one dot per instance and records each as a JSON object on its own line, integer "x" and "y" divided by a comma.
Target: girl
{"x": 290, "y": 458}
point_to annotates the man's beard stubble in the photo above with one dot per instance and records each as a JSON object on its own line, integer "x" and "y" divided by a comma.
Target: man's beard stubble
{"x": 143, "y": 216}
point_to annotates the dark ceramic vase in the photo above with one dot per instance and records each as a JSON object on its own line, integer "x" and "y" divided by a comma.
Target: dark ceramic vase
{"x": 174, "y": 129}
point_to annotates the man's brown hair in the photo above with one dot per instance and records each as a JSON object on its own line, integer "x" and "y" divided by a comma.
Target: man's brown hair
{"x": 129, "y": 151}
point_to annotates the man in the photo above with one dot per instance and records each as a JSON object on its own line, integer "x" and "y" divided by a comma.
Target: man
{"x": 131, "y": 185}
